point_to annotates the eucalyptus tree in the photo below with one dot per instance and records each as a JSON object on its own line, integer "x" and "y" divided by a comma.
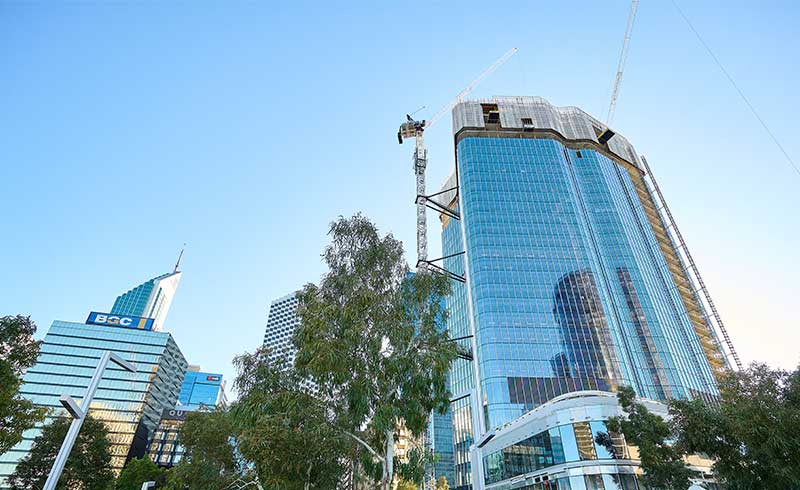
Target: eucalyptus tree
{"x": 373, "y": 340}
{"x": 18, "y": 352}
{"x": 283, "y": 429}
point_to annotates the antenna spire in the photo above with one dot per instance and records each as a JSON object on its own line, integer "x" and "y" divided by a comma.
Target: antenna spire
{"x": 178, "y": 263}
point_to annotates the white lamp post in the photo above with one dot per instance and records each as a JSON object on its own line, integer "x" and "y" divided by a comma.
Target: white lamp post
{"x": 79, "y": 414}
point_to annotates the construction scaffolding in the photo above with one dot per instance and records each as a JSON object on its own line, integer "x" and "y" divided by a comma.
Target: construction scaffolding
{"x": 684, "y": 271}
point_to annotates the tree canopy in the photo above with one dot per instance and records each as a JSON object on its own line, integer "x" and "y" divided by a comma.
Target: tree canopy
{"x": 209, "y": 459}
{"x": 283, "y": 429}
{"x": 373, "y": 340}
{"x": 88, "y": 466}
{"x": 18, "y": 352}
{"x": 138, "y": 471}
{"x": 661, "y": 460}
{"x": 751, "y": 433}
{"x": 441, "y": 484}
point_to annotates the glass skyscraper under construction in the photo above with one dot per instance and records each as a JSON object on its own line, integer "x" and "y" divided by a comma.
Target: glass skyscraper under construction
{"x": 572, "y": 282}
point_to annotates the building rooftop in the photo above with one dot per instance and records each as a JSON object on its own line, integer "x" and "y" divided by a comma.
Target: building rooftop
{"x": 536, "y": 113}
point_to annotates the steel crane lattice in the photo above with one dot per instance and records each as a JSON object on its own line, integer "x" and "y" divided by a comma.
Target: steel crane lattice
{"x": 415, "y": 129}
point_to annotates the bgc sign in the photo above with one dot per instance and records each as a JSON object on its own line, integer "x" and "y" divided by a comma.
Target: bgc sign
{"x": 124, "y": 321}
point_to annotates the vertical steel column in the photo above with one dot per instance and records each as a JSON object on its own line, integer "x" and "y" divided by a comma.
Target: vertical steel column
{"x": 476, "y": 395}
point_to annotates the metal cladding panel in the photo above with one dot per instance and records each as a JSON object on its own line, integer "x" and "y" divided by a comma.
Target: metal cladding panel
{"x": 570, "y": 122}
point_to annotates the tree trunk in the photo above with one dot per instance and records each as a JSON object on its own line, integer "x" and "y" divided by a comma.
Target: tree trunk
{"x": 388, "y": 467}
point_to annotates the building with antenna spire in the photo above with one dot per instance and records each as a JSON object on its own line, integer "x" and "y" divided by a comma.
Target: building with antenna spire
{"x": 130, "y": 404}
{"x": 152, "y": 298}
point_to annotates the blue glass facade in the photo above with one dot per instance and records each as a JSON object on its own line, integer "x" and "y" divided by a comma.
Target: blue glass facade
{"x": 200, "y": 390}
{"x": 568, "y": 290}
{"x": 129, "y": 403}
{"x": 151, "y": 299}
{"x": 573, "y": 283}
{"x": 134, "y": 302}
{"x": 461, "y": 376}
{"x": 441, "y": 428}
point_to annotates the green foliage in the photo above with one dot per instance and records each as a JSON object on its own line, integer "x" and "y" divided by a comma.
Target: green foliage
{"x": 373, "y": 340}
{"x": 209, "y": 460}
{"x": 412, "y": 470}
{"x": 88, "y": 466}
{"x": 662, "y": 462}
{"x": 406, "y": 485}
{"x": 138, "y": 471}
{"x": 753, "y": 434}
{"x": 283, "y": 429}
{"x": 18, "y": 352}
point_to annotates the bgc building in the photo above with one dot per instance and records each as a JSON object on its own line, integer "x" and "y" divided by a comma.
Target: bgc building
{"x": 130, "y": 404}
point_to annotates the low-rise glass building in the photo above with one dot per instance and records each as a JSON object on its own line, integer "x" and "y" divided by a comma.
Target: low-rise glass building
{"x": 201, "y": 389}
{"x": 565, "y": 444}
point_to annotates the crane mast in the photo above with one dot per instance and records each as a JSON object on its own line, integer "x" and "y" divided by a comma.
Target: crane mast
{"x": 420, "y": 163}
{"x": 415, "y": 129}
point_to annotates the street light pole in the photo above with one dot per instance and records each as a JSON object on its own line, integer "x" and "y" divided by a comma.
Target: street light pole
{"x": 79, "y": 414}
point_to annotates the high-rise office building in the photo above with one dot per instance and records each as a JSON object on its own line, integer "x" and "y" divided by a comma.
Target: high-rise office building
{"x": 150, "y": 299}
{"x": 572, "y": 284}
{"x": 281, "y": 322}
{"x": 130, "y": 404}
{"x": 201, "y": 389}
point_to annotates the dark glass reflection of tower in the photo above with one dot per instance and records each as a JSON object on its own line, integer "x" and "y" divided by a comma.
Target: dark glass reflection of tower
{"x": 643, "y": 333}
{"x": 587, "y": 339}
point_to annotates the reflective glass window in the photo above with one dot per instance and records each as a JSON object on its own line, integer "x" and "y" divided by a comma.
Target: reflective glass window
{"x": 594, "y": 482}
{"x": 557, "y": 446}
{"x": 600, "y": 432}
{"x": 569, "y": 443}
{"x": 560, "y": 484}
{"x": 584, "y": 439}
{"x": 577, "y": 483}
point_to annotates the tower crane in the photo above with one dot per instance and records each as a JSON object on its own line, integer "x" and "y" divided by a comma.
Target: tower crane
{"x": 623, "y": 55}
{"x": 415, "y": 129}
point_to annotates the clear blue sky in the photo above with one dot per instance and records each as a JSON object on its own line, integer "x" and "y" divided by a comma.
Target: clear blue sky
{"x": 128, "y": 128}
